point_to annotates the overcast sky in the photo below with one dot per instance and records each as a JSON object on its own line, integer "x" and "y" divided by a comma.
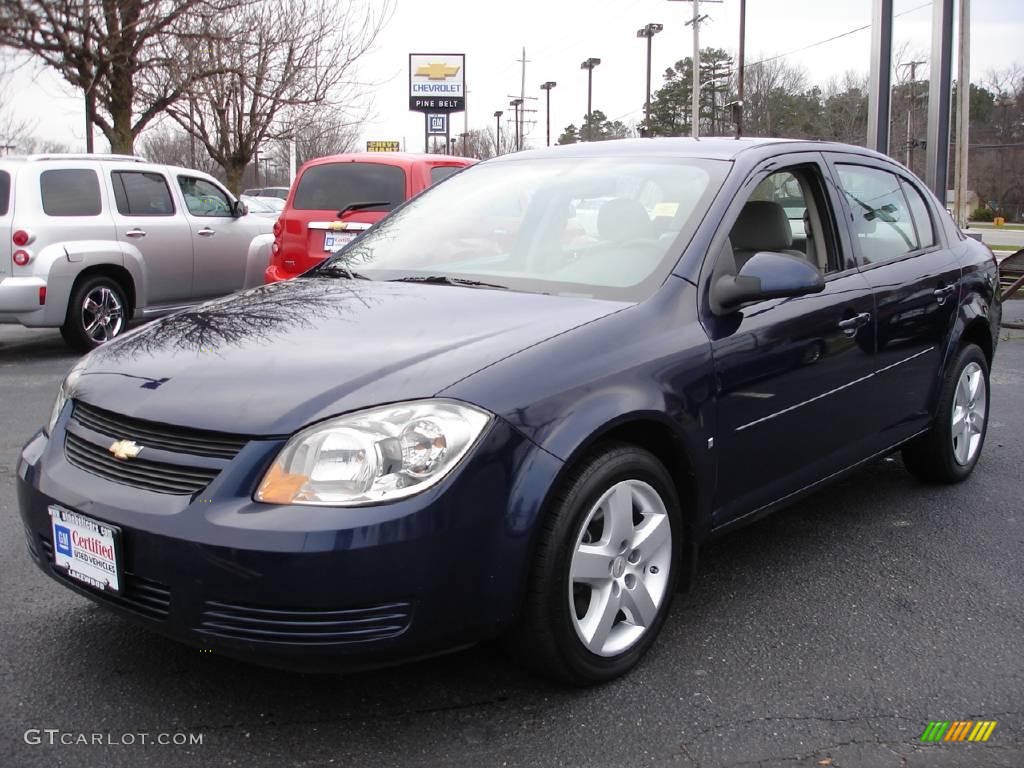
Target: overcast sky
{"x": 559, "y": 34}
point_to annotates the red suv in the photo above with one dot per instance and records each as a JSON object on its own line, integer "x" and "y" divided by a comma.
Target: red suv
{"x": 335, "y": 198}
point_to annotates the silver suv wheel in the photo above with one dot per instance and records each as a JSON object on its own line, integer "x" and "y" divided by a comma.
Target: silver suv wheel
{"x": 102, "y": 314}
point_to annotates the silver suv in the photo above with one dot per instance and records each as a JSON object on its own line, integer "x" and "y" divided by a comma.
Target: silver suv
{"x": 89, "y": 242}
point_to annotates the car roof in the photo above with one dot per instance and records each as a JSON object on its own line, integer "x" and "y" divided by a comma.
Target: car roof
{"x": 403, "y": 159}
{"x": 712, "y": 148}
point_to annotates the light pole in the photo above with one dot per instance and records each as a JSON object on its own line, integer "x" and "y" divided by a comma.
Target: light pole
{"x": 589, "y": 65}
{"x": 648, "y": 31}
{"x": 517, "y": 103}
{"x": 738, "y": 104}
{"x": 497, "y": 133}
{"x": 547, "y": 87}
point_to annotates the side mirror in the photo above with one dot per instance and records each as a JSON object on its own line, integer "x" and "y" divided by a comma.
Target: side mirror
{"x": 239, "y": 209}
{"x": 768, "y": 275}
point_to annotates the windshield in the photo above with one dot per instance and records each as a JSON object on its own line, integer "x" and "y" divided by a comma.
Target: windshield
{"x": 602, "y": 227}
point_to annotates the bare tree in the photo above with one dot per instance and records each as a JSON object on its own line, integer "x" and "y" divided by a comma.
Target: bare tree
{"x": 103, "y": 47}
{"x": 280, "y": 59}
{"x": 317, "y": 132}
{"x": 170, "y": 145}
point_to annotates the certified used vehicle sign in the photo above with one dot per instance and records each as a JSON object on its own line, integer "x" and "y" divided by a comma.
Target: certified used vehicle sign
{"x": 85, "y": 549}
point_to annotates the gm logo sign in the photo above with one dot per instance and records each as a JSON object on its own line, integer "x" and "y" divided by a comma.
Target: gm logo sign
{"x": 437, "y": 124}
{"x": 63, "y": 540}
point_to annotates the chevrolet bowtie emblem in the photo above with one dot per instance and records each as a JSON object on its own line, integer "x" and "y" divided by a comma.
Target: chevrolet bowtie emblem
{"x": 437, "y": 71}
{"x": 125, "y": 449}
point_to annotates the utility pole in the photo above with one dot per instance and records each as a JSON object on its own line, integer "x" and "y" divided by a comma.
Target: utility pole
{"x": 522, "y": 98}
{"x": 913, "y": 65}
{"x": 589, "y": 65}
{"x": 497, "y": 133}
{"x": 963, "y": 115}
{"x": 547, "y": 87}
{"x": 648, "y": 31}
{"x": 256, "y": 166}
{"x": 695, "y": 22}
{"x": 739, "y": 89}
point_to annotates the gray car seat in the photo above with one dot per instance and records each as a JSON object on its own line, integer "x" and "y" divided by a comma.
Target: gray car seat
{"x": 762, "y": 226}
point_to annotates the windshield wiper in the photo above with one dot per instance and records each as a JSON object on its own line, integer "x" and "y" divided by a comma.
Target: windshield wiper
{"x": 447, "y": 280}
{"x": 363, "y": 206}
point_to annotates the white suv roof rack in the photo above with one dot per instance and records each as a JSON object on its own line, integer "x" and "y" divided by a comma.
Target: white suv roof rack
{"x": 95, "y": 156}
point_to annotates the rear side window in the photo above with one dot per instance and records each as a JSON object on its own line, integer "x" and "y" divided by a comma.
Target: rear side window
{"x": 70, "y": 192}
{"x": 141, "y": 194}
{"x": 5, "y": 192}
{"x": 442, "y": 172}
{"x": 334, "y": 186}
{"x": 882, "y": 222}
{"x": 922, "y": 219}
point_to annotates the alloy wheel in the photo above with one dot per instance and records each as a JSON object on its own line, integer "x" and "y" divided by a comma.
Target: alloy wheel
{"x": 102, "y": 314}
{"x": 969, "y": 405}
{"x": 620, "y": 568}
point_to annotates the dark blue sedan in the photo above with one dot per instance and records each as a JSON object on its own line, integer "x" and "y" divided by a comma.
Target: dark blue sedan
{"x": 518, "y": 405}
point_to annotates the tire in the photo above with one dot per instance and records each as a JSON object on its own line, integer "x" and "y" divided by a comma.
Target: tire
{"x": 947, "y": 453}
{"x": 97, "y": 312}
{"x": 582, "y": 571}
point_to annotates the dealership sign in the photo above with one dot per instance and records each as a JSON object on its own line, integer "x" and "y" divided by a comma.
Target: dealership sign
{"x": 437, "y": 82}
{"x": 383, "y": 146}
{"x": 437, "y": 125}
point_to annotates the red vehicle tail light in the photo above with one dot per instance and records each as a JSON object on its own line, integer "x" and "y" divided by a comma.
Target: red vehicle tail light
{"x": 275, "y": 248}
{"x": 277, "y": 228}
{"x": 42, "y": 295}
{"x": 21, "y": 258}
{"x": 21, "y": 237}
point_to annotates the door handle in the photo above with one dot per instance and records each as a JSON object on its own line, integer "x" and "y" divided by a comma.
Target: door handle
{"x": 941, "y": 294}
{"x": 850, "y": 325}
{"x": 206, "y": 232}
{"x": 135, "y": 233}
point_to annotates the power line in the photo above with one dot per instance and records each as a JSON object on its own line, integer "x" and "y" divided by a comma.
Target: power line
{"x": 806, "y": 47}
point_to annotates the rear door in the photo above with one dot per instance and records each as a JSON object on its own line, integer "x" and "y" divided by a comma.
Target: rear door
{"x": 147, "y": 218}
{"x": 220, "y": 240}
{"x": 792, "y": 375}
{"x": 916, "y": 282}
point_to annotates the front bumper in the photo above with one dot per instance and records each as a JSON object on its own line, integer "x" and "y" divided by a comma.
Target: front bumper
{"x": 308, "y": 588}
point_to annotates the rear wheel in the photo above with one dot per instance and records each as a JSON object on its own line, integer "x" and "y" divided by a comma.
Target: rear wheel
{"x": 606, "y": 569}
{"x": 97, "y": 313}
{"x": 949, "y": 451}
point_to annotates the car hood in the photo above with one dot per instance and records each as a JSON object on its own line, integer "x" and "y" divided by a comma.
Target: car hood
{"x": 272, "y": 359}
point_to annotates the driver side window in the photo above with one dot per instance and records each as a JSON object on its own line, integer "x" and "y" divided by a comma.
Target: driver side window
{"x": 203, "y": 198}
{"x": 784, "y": 214}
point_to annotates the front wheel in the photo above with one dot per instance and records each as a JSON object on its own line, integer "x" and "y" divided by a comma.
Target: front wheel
{"x": 97, "y": 313}
{"x": 949, "y": 451}
{"x": 606, "y": 569}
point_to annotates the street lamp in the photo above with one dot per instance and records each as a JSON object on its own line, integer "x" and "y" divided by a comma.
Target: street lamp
{"x": 589, "y": 65}
{"x": 547, "y": 87}
{"x": 648, "y": 31}
{"x": 517, "y": 103}
{"x": 497, "y": 134}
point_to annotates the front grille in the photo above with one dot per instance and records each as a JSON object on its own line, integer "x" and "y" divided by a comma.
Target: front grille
{"x": 145, "y": 597}
{"x": 304, "y": 626}
{"x": 218, "y": 445}
{"x": 139, "y": 473}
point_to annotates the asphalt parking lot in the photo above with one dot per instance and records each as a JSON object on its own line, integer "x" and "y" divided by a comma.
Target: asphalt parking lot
{"x": 828, "y": 634}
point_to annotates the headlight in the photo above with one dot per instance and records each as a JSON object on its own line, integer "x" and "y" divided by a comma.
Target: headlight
{"x": 62, "y": 398}
{"x": 380, "y": 454}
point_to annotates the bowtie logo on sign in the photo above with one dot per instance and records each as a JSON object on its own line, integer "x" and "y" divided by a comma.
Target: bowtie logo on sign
{"x": 437, "y": 82}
